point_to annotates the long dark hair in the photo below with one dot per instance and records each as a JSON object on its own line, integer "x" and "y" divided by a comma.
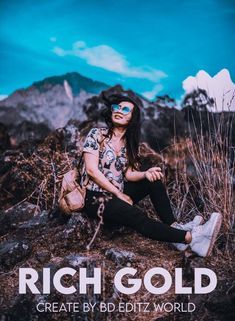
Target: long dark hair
{"x": 132, "y": 134}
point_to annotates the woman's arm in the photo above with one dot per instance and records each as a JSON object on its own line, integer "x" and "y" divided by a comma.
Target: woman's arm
{"x": 152, "y": 174}
{"x": 91, "y": 165}
{"x": 134, "y": 176}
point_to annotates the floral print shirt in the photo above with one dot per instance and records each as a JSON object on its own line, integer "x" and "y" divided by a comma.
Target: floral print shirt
{"x": 111, "y": 164}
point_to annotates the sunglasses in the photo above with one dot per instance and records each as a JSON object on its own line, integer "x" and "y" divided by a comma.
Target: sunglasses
{"x": 124, "y": 110}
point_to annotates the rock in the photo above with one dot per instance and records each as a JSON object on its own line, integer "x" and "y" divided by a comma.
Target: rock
{"x": 79, "y": 228}
{"x": 4, "y": 138}
{"x": 190, "y": 262}
{"x": 72, "y": 138}
{"x": 11, "y": 218}
{"x": 57, "y": 260}
{"x": 48, "y": 102}
{"x": 28, "y": 133}
{"x": 223, "y": 306}
{"x": 76, "y": 260}
{"x": 74, "y": 233}
{"x": 77, "y": 220}
{"x": 43, "y": 256}
{"x": 13, "y": 252}
{"x": 23, "y": 309}
{"x": 36, "y": 221}
{"x": 119, "y": 257}
{"x": 53, "y": 269}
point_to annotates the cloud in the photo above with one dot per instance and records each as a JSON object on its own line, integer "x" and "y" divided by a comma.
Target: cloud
{"x": 220, "y": 87}
{"x": 152, "y": 94}
{"x": 106, "y": 57}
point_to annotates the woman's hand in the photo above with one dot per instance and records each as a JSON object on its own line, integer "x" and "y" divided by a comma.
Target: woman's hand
{"x": 124, "y": 197}
{"x": 153, "y": 174}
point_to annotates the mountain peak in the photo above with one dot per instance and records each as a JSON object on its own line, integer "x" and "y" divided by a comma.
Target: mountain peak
{"x": 76, "y": 81}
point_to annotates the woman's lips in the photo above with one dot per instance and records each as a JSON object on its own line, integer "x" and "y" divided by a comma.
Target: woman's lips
{"x": 118, "y": 117}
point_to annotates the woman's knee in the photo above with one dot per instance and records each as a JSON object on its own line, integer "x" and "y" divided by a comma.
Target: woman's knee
{"x": 155, "y": 184}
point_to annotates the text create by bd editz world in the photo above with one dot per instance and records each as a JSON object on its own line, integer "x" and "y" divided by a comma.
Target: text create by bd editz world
{"x": 109, "y": 307}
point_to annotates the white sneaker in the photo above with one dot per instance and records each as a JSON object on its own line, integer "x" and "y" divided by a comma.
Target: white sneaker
{"x": 198, "y": 220}
{"x": 204, "y": 236}
{"x": 186, "y": 227}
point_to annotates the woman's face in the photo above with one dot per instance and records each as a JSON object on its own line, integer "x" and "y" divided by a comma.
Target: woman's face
{"x": 120, "y": 119}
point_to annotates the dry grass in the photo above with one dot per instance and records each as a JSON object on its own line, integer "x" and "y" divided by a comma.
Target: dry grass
{"x": 202, "y": 172}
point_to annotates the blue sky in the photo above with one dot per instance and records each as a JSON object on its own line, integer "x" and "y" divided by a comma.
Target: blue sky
{"x": 149, "y": 46}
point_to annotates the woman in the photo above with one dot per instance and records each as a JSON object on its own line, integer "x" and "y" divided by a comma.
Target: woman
{"x": 111, "y": 169}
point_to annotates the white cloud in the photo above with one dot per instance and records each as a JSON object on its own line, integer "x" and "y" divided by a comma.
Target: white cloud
{"x": 3, "y": 97}
{"x": 59, "y": 51}
{"x": 152, "y": 94}
{"x": 106, "y": 57}
{"x": 220, "y": 87}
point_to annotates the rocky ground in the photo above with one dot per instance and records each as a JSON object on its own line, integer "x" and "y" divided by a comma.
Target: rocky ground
{"x": 33, "y": 233}
{"x": 30, "y": 239}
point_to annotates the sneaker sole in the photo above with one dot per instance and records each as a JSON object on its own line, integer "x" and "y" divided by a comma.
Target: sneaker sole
{"x": 180, "y": 248}
{"x": 215, "y": 233}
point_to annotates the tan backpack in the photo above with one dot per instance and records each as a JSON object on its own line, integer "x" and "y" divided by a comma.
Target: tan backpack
{"x": 72, "y": 195}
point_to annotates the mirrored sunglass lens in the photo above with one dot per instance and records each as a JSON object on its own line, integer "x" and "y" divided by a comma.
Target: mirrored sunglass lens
{"x": 126, "y": 110}
{"x": 115, "y": 107}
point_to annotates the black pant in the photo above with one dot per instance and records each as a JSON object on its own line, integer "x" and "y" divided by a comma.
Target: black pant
{"x": 120, "y": 212}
